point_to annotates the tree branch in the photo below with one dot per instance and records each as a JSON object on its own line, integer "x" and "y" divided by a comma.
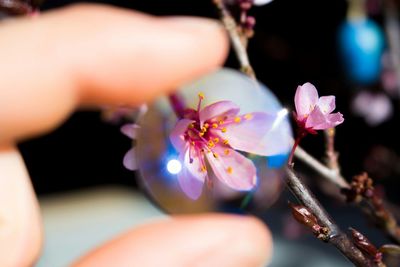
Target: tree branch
{"x": 334, "y": 235}
{"x": 236, "y": 40}
{"x": 371, "y": 205}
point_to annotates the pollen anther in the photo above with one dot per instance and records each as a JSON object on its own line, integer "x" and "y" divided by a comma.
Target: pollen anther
{"x": 248, "y": 116}
{"x": 211, "y": 144}
{"x": 229, "y": 170}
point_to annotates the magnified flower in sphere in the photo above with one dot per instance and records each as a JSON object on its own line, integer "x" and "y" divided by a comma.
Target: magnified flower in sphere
{"x": 209, "y": 137}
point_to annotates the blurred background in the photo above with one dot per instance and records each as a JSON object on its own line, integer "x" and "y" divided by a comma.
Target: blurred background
{"x": 79, "y": 165}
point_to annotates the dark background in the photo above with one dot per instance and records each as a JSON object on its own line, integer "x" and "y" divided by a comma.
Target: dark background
{"x": 295, "y": 42}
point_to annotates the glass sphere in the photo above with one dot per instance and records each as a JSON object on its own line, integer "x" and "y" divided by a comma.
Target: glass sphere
{"x": 257, "y": 145}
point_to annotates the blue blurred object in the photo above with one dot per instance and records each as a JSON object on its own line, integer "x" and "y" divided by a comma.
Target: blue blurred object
{"x": 361, "y": 44}
{"x": 277, "y": 161}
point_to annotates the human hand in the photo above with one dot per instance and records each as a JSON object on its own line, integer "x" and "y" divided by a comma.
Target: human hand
{"x": 86, "y": 56}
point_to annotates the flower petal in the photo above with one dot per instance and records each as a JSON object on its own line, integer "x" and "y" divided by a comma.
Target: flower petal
{"x": 129, "y": 160}
{"x": 320, "y": 121}
{"x": 218, "y": 110}
{"x": 177, "y": 134}
{"x": 233, "y": 169}
{"x": 130, "y": 130}
{"x": 305, "y": 99}
{"x": 315, "y": 118}
{"x": 335, "y": 119}
{"x": 191, "y": 178}
{"x": 191, "y": 186}
{"x": 326, "y": 104}
{"x": 247, "y": 134}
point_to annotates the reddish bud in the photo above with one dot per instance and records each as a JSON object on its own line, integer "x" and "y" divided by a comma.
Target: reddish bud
{"x": 250, "y": 22}
{"x": 364, "y": 244}
{"x": 305, "y": 217}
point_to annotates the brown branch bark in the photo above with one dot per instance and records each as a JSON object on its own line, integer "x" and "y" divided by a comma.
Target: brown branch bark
{"x": 335, "y": 236}
{"x": 238, "y": 41}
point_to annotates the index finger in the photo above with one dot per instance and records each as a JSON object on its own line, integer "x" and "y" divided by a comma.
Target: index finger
{"x": 91, "y": 54}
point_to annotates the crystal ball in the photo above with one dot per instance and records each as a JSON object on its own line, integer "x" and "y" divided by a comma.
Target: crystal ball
{"x": 220, "y": 143}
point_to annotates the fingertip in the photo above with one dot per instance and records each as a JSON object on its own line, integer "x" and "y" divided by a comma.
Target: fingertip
{"x": 195, "y": 240}
{"x": 94, "y": 55}
{"x": 248, "y": 241}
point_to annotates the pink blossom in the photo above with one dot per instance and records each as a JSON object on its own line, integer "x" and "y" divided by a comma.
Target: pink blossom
{"x": 213, "y": 134}
{"x": 130, "y": 130}
{"x": 313, "y": 112}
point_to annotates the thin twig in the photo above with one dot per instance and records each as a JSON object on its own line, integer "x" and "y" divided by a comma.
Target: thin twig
{"x": 325, "y": 172}
{"x": 236, "y": 40}
{"x": 392, "y": 30}
{"x": 331, "y": 154}
{"x": 374, "y": 207}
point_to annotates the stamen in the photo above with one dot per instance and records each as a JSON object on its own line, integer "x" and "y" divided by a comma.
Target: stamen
{"x": 216, "y": 140}
{"x": 215, "y": 155}
{"x": 237, "y": 119}
{"x": 227, "y": 152}
{"x": 211, "y": 144}
{"x": 201, "y": 97}
{"x": 203, "y": 168}
{"x": 200, "y": 134}
{"x": 248, "y": 116}
{"x": 214, "y": 125}
{"x": 226, "y": 142}
{"x": 206, "y": 125}
{"x": 190, "y": 156}
{"x": 229, "y": 170}
{"x": 203, "y": 129}
{"x": 223, "y": 130}
{"x": 221, "y": 122}
{"x": 191, "y": 126}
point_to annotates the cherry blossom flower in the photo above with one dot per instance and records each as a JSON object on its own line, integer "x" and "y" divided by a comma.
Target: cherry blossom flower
{"x": 213, "y": 134}
{"x": 130, "y": 130}
{"x": 313, "y": 112}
